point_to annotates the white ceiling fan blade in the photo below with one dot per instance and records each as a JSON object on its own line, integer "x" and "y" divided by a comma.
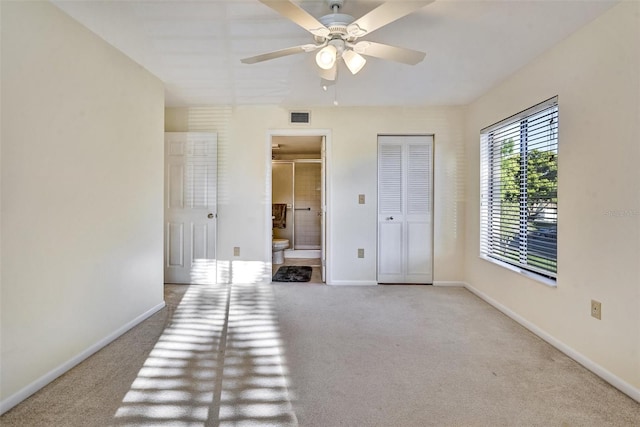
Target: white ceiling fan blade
{"x": 383, "y": 15}
{"x": 329, "y": 74}
{"x": 280, "y": 53}
{"x": 392, "y": 53}
{"x": 298, "y": 15}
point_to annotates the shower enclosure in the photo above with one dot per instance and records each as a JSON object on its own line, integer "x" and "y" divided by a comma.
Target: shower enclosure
{"x": 298, "y": 184}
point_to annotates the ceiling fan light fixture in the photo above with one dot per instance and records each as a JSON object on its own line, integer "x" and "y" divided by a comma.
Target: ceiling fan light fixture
{"x": 354, "y": 61}
{"x": 326, "y": 57}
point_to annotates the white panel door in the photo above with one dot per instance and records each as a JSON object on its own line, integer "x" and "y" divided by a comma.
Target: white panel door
{"x": 405, "y": 221}
{"x": 190, "y": 207}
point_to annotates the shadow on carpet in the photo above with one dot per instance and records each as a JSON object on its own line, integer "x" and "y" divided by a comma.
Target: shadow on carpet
{"x": 292, "y": 273}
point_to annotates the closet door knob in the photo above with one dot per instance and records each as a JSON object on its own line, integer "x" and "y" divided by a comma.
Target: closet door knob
{"x": 210, "y": 216}
{"x": 389, "y": 218}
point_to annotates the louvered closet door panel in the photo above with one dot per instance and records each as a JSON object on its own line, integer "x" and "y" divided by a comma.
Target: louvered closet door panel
{"x": 390, "y": 182}
{"x": 418, "y": 218}
{"x": 390, "y": 210}
{"x": 405, "y": 209}
{"x": 418, "y": 179}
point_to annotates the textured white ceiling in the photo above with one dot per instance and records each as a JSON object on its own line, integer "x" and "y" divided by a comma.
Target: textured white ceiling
{"x": 195, "y": 48}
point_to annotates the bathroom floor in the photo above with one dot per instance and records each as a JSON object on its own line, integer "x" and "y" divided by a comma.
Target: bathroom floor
{"x": 316, "y": 277}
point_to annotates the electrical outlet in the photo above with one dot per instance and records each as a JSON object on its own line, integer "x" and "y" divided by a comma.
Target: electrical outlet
{"x": 596, "y": 309}
{"x": 361, "y": 199}
{"x": 360, "y": 253}
{"x": 236, "y": 251}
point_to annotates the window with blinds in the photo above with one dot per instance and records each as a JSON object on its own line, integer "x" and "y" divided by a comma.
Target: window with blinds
{"x": 519, "y": 190}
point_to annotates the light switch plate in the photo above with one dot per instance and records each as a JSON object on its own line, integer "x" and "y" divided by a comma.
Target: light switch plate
{"x": 236, "y": 251}
{"x": 360, "y": 252}
{"x": 361, "y": 199}
{"x": 596, "y": 309}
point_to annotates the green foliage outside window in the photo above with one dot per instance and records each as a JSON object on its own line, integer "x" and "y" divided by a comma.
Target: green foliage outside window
{"x": 542, "y": 179}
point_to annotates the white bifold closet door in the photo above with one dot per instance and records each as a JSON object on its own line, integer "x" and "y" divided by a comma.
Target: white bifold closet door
{"x": 190, "y": 207}
{"x": 405, "y": 209}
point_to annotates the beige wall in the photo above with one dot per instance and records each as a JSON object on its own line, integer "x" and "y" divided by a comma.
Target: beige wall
{"x": 596, "y": 74}
{"x": 352, "y": 168}
{"x": 82, "y": 156}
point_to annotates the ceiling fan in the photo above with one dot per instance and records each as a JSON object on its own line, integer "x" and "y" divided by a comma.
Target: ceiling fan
{"x": 336, "y": 35}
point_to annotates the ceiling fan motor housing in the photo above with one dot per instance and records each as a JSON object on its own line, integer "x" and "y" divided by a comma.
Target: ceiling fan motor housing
{"x": 337, "y": 24}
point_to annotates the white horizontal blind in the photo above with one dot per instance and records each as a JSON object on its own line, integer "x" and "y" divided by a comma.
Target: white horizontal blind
{"x": 519, "y": 189}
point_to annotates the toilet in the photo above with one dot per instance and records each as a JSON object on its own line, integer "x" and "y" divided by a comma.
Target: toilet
{"x": 278, "y": 246}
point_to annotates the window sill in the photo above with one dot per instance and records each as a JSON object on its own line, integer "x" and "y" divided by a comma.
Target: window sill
{"x": 528, "y": 274}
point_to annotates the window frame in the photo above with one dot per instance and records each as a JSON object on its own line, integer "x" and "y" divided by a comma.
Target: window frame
{"x": 493, "y": 244}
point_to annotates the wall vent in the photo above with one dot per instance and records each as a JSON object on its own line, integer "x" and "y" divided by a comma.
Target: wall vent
{"x": 300, "y": 117}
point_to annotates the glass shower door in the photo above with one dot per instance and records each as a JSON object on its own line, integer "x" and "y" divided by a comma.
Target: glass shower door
{"x": 307, "y": 202}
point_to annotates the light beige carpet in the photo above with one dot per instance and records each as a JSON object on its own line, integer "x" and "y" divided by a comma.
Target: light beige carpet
{"x": 428, "y": 356}
{"x": 302, "y": 354}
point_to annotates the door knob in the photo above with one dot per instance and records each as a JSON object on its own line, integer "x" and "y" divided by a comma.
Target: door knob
{"x": 389, "y": 218}
{"x": 210, "y": 215}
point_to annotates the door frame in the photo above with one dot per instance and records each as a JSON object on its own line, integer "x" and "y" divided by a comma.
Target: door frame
{"x": 326, "y": 164}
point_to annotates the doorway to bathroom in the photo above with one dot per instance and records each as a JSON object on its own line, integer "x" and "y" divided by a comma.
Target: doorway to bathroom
{"x": 298, "y": 193}
{"x": 296, "y": 187}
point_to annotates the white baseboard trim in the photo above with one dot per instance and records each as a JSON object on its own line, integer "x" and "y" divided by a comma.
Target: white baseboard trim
{"x": 353, "y": 283}
{"x": 603, "y": 373}
{"x": 27, "y": 391}
{"x": 449, "y": 283}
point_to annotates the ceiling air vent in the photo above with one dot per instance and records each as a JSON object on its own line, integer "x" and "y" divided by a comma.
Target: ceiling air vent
{"x": 299, "y": 117}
